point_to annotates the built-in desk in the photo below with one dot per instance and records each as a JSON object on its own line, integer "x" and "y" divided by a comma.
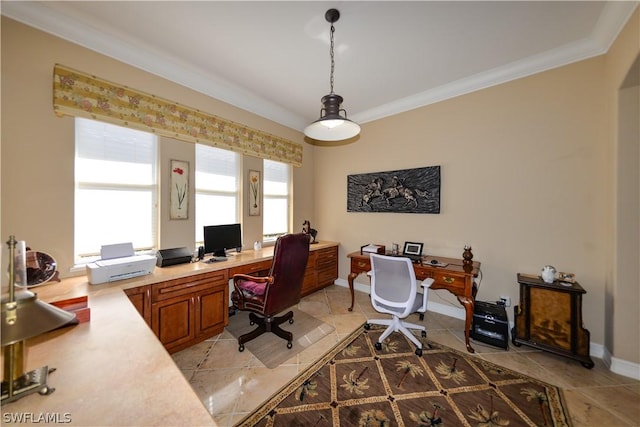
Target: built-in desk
{"x": 455, "y": 277}
{"x": 113, "y": 370}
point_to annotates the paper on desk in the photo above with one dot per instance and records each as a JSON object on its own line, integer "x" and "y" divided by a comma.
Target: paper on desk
{"x": 371, "y": 248}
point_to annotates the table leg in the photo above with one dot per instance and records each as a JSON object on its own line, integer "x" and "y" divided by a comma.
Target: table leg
{"x": 350, "y": 279}
{"x": 468, "y": 304}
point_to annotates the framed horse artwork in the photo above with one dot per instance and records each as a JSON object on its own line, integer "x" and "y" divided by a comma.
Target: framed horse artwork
{"x": 404, "y": 191}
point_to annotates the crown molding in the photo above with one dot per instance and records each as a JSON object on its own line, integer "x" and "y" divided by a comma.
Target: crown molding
{"x": 51, "y": 21}
{"x": 613, "y": 18}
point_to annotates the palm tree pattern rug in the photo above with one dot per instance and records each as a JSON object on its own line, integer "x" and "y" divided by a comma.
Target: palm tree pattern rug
{"x": 355, "y": 385}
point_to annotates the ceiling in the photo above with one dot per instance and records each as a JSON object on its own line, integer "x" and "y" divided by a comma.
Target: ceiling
{"x": 272, "y": 58}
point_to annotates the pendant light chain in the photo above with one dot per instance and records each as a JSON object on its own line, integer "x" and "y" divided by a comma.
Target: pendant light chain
{"x": 333, "y": 124}
{"x": 333, "y": 63}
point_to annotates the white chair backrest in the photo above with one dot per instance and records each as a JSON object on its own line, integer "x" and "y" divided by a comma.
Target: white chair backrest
{"x": 393, "y": 280}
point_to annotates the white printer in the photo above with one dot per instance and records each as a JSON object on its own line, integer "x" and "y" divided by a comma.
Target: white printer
{"x": 118, "y": 262}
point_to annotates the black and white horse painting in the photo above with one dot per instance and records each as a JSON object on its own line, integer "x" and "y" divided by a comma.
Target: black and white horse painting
{"x": 410, "y": 191}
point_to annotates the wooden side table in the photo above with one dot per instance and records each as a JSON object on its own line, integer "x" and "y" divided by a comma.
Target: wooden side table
{"x": 549, "y": 317}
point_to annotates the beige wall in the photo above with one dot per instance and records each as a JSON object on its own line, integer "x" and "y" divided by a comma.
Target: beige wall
{"x": 527, "y": 175}
{"x": 38, "y": 147}
{"x": 522, "y": 180}
{"x": 528, "y": 171}
{"x": 623, "y": 277}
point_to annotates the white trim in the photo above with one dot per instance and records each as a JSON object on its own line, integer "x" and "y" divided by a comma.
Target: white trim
{"x": 144, "y": 57}
{"x": 626, "y": 368}
{"x": 613, "y": 18}
{"x": 620, "y": 366}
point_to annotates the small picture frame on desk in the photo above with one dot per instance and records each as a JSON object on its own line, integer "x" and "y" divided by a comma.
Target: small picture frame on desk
{"x": 412, "y": 248}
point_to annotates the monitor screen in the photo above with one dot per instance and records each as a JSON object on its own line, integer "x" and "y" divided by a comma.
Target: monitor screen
{"x": 219, "y": 238}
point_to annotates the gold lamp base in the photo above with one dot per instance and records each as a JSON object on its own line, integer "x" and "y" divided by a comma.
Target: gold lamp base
{"x": 16, "y": 383}
{"x": 23, "y": 316}
{"x": 28, "y": 383}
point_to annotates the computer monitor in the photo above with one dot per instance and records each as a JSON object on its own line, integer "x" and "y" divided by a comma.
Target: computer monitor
{"x": 219, "y": 238}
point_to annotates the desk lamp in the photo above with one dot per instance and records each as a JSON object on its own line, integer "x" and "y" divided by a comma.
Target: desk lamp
{"x": 24, "y": 317}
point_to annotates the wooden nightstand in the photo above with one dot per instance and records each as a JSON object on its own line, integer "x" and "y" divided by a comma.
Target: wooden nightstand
{"x": 549, "y": 317}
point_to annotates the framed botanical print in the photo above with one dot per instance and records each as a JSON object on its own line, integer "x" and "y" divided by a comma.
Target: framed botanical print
{"x": 179, "y": 182}
{"x": 254, "y": 193}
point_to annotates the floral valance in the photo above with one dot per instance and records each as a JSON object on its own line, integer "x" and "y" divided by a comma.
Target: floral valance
{"x": 79, "y": 94}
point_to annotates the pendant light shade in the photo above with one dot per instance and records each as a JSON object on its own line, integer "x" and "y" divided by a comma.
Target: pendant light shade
{"x": 333, "y": 124}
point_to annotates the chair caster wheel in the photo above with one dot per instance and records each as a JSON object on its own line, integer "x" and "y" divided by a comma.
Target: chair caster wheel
{"x": 251, "y": 323}
{"x": 291, "y": 321}
{"x": 289, "y": 344}
{"x": 378, "y": 346}
{"x": 421, "y": 316}
{"x": 424, "y": 334}
{"x": 46, "y": 390}
{"x": 419, "y": 352}
{"x": 241, "y": 347}
{"x": 367, "y": 326}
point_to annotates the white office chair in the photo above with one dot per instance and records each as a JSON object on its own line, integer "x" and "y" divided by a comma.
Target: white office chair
{"x": 394, "y": 290}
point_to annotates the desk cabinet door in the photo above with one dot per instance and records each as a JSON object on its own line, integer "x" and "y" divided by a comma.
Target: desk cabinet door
{"x": 140, "y": 297}
{"x": 211, "y": 311}
{"x": 550, "y": 318}
{"x": 173, "y": 321}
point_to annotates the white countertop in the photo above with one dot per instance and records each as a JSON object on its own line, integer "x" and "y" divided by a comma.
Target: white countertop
{"x": 113, "y": 371}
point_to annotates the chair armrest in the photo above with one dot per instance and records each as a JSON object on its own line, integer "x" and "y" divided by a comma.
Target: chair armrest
{"x": 426, "y": 283}
{"x": 239, "y": 279}
{"x": 257, "y": 279}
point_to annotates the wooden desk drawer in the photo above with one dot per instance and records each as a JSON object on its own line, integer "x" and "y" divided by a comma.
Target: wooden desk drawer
{"x": 448, "y": 279}
{"x": 360, "y": 265}
{"x": 250, "y": 269}
{"x": 422, "y": 271}
{"x": 327, "y": 257}
{"x": 188, "y": 285}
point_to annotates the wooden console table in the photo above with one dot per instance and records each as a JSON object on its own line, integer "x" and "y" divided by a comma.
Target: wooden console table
{"x": 549, "y": 317}
{"x": 454, "y": 277}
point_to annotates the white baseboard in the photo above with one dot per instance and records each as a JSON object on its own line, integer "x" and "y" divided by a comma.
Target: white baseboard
{"x": 620, "y": 366}
{"x": 615, "y": 365}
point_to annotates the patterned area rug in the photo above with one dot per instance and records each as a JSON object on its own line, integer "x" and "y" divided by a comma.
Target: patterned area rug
{"x": 355, "y": 385}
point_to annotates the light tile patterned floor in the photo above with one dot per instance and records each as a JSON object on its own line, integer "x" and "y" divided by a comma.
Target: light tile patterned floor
{"x": 231, "y": 384}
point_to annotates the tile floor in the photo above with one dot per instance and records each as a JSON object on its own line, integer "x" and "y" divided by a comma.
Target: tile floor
{"x": 231, "y": 384}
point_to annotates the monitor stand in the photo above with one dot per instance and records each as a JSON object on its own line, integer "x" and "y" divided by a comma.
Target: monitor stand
{"x": 216, "y": 259}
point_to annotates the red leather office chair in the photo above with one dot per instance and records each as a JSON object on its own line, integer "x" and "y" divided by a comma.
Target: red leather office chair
{"x": 267, "y": 296}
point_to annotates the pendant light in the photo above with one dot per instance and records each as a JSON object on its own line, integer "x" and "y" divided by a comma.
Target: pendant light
{"x": 332, "y": 125}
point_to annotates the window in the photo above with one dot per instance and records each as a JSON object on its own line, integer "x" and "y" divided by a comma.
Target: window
{"x": 277, "y": 177}
{"x": 217, "y": 188}
{"x": 116, "y": 188}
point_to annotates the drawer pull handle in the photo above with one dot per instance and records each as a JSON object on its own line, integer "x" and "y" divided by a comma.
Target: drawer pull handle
{"x": 362, "y": 264}
{"x": 448, "y": 279}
